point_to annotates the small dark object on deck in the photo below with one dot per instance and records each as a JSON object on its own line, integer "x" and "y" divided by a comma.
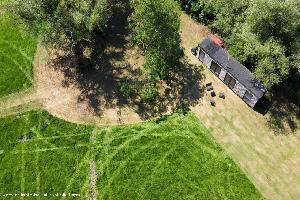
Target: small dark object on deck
{"x": 194, "y": 51}
{"x": 212, "y": 102}
{"x": 208, "y": 84}
{"x": 209, "y": 88}
{"x": 213, "y": 94}
{"x": 222, "y": 95}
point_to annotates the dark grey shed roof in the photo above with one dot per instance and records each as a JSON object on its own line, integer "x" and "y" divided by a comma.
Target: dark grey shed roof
{"x": 232, "y": 66}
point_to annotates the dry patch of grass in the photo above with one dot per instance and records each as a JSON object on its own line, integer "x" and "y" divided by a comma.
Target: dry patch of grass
{"x": 61, "y": 101}
{"x": 67, "y": 94}
{"x": 270, "y": 160}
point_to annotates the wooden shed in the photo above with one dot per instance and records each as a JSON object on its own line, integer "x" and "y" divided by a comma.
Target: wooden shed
{"x": 235, "y": 75}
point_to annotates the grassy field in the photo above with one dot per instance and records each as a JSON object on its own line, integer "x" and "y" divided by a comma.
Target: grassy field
{"x": 171, "y": 158}
{"x": 17, "y": 50}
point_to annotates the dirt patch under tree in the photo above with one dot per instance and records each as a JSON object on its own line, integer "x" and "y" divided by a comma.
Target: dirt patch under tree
{"x": 92, "y": 95}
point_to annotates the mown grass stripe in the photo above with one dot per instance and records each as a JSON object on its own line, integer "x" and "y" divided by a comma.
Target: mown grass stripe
{"x": 28, "y": 76}
{"x": 155, "y": 169}
{"x": 38, "y": 174}
{"x": 51, "y": 149}
{"x": 83, "y": 161}
{"x": 20, "y": 51}
{"x": 23, "y": 167}
{"x": 53, "y": 137}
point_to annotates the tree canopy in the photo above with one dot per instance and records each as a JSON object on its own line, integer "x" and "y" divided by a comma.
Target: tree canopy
{"x": 296, "y": 62}
{"x": 58, "y": 22}
{"x": 273, "y": 65}
{"x": 155, "y": 28}
{"x": 274, "y": 19}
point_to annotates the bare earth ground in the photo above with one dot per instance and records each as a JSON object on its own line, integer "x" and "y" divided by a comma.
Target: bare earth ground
{"x": 270, "y": 157}
{"x": 57, "y": 99}
{"x": 65, "y": 101}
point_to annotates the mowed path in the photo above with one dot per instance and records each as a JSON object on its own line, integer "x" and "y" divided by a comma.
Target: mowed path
{"x": 271, "y": 161}
{"x": 19, "y": 102}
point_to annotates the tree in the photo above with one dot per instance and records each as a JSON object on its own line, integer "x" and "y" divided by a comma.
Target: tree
{"x": 201, "y": 10}
{"x": 296, "y": 61}
{"x": 245, "y": 46}
{"x": 220, "y": 15}
{"x": 155, "y": 29}
{"x": 228, "y": 14}
{"x": 267, "y": 60}
{"x": 274, "y": 18}
{"x": 273, "y": 65}
{"x": 63, "y": 22}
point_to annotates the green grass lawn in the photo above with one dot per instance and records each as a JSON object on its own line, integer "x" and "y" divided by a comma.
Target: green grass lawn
{"x": 171, "y": 158}
{"x": 174, "y": 158}
{"x": 43, "y": 154}
{"x": 17, "y": 50}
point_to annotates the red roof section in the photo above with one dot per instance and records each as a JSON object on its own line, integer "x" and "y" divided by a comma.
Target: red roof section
{"x": 217, "y": 40}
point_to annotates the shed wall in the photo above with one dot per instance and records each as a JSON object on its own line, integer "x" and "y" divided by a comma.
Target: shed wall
{"x": 222, "y": 74}
{"x": 253, "y": 101}
{"x": 207, "y": 60}
{"x": 197, "y": 53}
{"x": 239, "y": 89}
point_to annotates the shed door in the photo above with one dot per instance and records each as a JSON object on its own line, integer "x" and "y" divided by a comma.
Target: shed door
{"x": 229, "y": 81}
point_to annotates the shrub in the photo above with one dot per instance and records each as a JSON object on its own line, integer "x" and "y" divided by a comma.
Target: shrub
{"x": 126, "y": 89}
{"x": 149, "y": 93}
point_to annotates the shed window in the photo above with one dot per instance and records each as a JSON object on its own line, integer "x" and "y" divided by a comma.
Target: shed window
{"x": 229, "y": 81}
{"x": 215, "y": 68}
{"x": 248, "y": 96}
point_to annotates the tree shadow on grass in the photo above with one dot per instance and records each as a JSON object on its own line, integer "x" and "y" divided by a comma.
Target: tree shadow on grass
{"x": 263, "y": 105}
{"x": 283, "y": 116}
{"x": 103, "y": 72}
